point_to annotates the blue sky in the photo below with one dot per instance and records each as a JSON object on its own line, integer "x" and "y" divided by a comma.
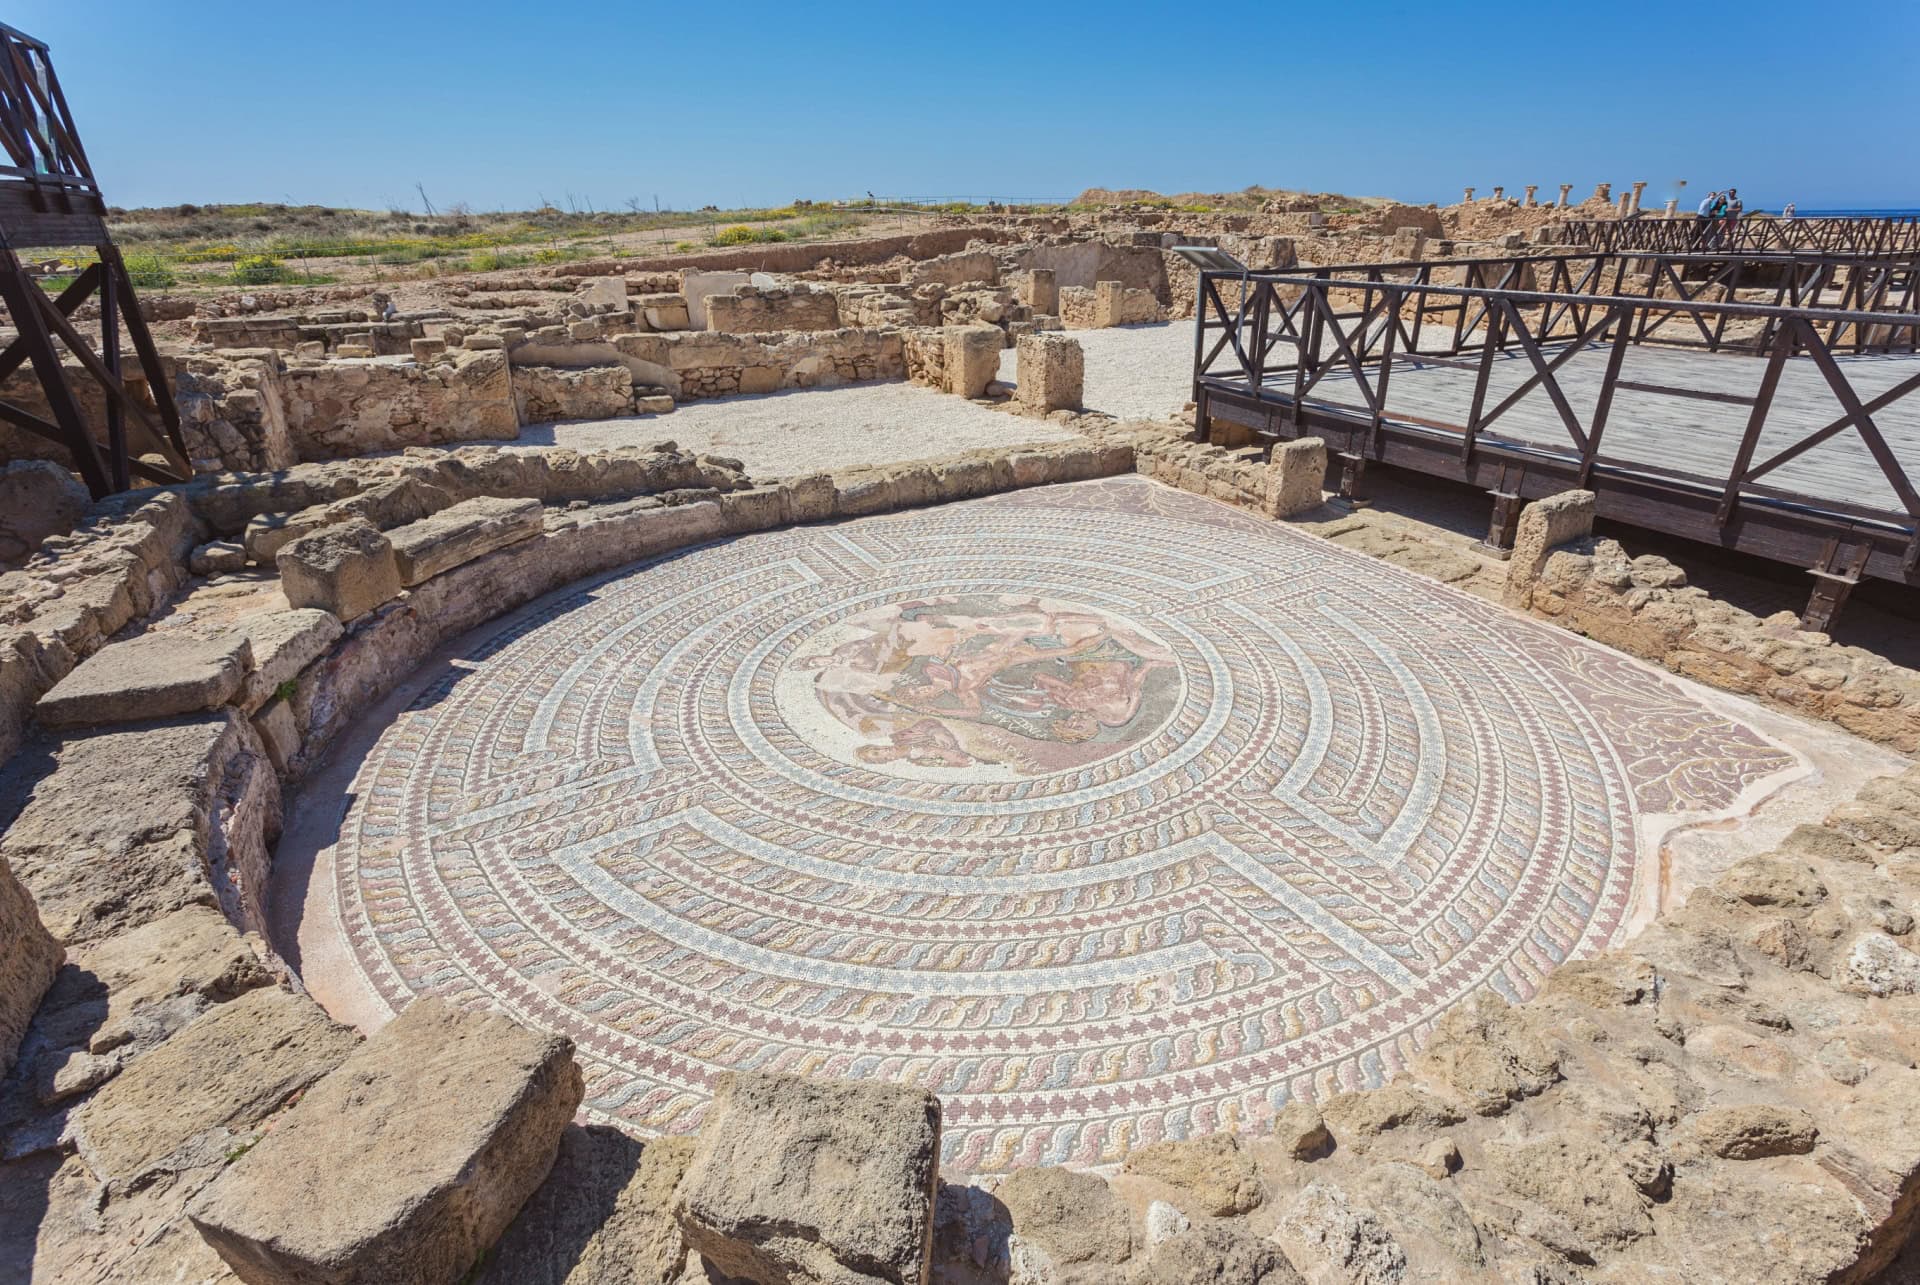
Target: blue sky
{"x": 744, "y": 103}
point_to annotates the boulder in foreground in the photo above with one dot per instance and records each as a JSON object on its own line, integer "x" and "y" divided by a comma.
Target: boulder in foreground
{"x": 406, "y": 1162}
{"x": 814, "y": 1181}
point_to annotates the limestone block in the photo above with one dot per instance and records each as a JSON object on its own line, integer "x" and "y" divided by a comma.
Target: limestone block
{"x": 352, "y": 351}
{"x": 605, "y": 1214}
{"x": 218, "y": 557}
{"x": 483, "y": 343}
{"x": 38, "y": 498}
{"x": 201, "y": 1094}
{"x": 347, "y": 569}
{"x": 803, "y": 1180}
{"x": 810, "y": 498}
{"x": 427, "y": 350}
{"x": 165, "y": 807}
{"x": 1215, "y": 1253}
{"x": 695, "y": 287}
{"x": 407, "y": 1162}
{"x": 1213, "y": 1171}
{"x": 1544, "y": 526}
{"x": 387, "y": 504}
{"x": 1294, "y": 478}
{"x": 468, "y": 530}
{"x": 1051, "y": 372}
{"x": 1109, "y": 303}
{"x": 28, "y": 963}
{"x": 862, "y": 491}
{"x": 972, "y": 358}
{"x": 1408, "y": 243}
{"x": 664, "y": 311}
{"x": 1040, "y": 292}
{"x": 1073, "y": 1217}
{"x": 604, "y": 294}
{"x": 284, "y": 643}
{"x": 153, "y": 676}
{"x": 656, "y": 404}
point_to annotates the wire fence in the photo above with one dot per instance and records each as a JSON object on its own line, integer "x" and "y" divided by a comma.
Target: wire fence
{"x": 546, "y": 237}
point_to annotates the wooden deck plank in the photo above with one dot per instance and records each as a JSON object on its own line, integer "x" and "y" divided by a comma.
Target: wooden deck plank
{"x": 1697, "y": 436}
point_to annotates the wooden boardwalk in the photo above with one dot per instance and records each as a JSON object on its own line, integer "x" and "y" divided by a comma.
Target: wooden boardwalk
{"x": 1691, "y": 434}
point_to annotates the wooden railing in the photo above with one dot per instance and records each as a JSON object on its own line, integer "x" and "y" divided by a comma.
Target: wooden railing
{"x": 1850, "y": 235}
{"x": 1319, "y": 350}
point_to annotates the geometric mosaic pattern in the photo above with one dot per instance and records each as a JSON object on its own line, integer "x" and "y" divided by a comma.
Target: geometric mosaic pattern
{"x": 1106, "y": 812}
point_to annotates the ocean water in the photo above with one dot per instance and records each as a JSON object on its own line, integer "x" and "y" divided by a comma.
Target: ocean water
{"x": 1907, "y": 212}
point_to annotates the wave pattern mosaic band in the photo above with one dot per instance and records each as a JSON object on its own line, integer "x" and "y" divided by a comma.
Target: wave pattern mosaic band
{"x": 1105, "y": 812}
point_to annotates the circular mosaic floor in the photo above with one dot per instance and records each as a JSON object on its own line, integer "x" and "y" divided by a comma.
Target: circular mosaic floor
{"x": 1105, "y": 812}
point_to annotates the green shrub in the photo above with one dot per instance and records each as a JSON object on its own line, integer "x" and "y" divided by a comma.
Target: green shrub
{"x": 261, "y": 270}
{"x": 741, "y": 234}
{"x": 149, "y": 272}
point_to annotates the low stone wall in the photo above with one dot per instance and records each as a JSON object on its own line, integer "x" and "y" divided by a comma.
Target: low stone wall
{"x": 1108, "y": 303}
{"x": 798, "y": 256}
{"x": 1083, "y": 262}
{"x": 1642, "y": 606}
{"x": 699, "y": 364}
{"x": 1645, "y": 607}
{"x": 750, "y": 310}
{"x": 343, "y": 408}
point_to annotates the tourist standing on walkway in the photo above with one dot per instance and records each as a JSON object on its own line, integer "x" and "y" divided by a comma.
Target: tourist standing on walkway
{"x": 1703, "y": 220}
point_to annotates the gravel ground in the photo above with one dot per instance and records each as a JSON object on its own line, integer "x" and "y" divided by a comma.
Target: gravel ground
{"x": 1132, "y": 372}
{"x": 800, "y": 430}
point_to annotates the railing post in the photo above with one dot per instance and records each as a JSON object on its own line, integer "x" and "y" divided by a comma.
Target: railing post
{"x": 1756, "y": 422}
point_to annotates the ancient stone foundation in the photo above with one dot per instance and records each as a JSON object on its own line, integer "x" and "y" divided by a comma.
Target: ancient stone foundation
{"x": 1051, "y": 372}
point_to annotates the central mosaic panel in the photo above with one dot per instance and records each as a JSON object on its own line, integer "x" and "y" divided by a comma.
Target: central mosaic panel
{"x": 1105, "y": 812}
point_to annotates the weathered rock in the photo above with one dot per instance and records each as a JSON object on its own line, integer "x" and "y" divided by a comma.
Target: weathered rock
{"x": 1356, "y": 1119}
{"x": 604, "y": 1215}
{"x": 347, "y": 569}
{"x": 971, "y": 1230}
{"x": 177, "y": 813}
{"x": 1880, "y": 827}
{"x": 1876, "y": 964}
{"x": 1489, "y": 1055}
{"x": 204, "y": 1092}
{"x": 1424, "y": 1216}
{"x": 1773, "y": 881}
{"x": 800, "y": 1180}
{"x": 1819, "y": 843}
{"x": 1163, "y": 1222}
{"x": 1213, "y": 1169}
{"x": 1220, "y": 1254}
{"x": 284, "y": 643}
{"x": 1051, "y": 372}
{"x": 1302, "y": 1132}
{"x": 1072, "y": 1216}
{"x": 124, "y": 995}
{"x": 1580, "y": 1183}
{"x": 156, "y": 675}
{"x": 405, "y": 1163}
{"x": 1323, "y": 1227}
{"x": 38, "y": 498}
{"x": 218, "y": 557}
{"x": 1752, "y": 1132}
{"x": 460, "y": 534}
{"x": 1294, "y": 477}
{"x": 972, "y": 358}
{"x": 1544, "y": 526}
{"x": 29, "y": 958}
